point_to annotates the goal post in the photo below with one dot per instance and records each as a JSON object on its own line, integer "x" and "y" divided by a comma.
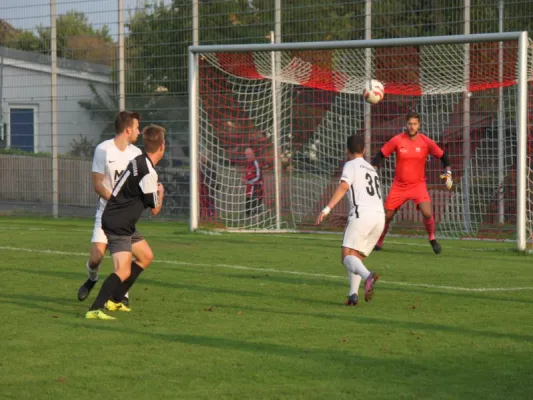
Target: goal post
{"x": 294, "y": 105}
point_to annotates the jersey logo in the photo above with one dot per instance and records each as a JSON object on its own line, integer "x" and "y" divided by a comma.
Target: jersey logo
{"x": 418, "y": 149}
{"x": 117, "y": 175}
{"x": 112, "y": 161}
{"x": 403, "y": 150}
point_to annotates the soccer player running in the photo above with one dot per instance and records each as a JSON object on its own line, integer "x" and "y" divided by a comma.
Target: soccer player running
{"x": 360, "y": 182}
{"x": 412, "y": 149}
{"x": 111, "y": 158}
{"x": 136, "y": 190}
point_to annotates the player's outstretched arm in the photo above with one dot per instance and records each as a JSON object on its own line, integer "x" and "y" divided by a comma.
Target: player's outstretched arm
{"x": 337, "y": 196}
{"x": 387, "y": 149}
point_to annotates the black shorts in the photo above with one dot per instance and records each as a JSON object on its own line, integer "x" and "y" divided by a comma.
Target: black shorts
{"x": 252, "y": 204}
{"x": 118, "y": 243}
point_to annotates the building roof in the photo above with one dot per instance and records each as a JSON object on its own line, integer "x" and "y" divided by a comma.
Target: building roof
{"x": 44, "y": 59}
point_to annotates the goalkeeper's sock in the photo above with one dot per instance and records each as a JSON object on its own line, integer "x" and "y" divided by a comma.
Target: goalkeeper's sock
{"x": 355, "y": 281}
{"x": 356, "y": 266}
{"x": 382, "y": 237}
{"x": 108, "y": 288}
{"x": 92, "y": 271}
{"x": 430, "y": 227}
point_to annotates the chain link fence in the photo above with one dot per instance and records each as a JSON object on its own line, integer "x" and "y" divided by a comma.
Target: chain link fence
{"x": 45, "y": 156}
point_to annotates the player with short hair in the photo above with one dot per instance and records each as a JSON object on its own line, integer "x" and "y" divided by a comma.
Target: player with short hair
{"x": 412, "y": 149}
{"x": 111, "y": 158}
{"x": 136, "y": 189}
{"x": 254, "y": 183}
{"x": 360, "y": 182}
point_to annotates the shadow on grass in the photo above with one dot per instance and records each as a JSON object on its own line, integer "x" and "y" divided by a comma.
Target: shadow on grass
{"x": 408, "y": 326}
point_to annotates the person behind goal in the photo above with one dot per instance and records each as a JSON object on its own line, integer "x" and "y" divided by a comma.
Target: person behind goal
{"x": 136, "y": 189}
{"x": 360, "y": 182}
{"x": 412, "y": 149}
{"x": 111, "y": 158}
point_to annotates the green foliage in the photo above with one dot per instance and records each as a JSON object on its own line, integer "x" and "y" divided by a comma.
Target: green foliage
{"x": 82, "y": 147}
{"x": 157, "y": 45}
{"x": 70, "y": 25}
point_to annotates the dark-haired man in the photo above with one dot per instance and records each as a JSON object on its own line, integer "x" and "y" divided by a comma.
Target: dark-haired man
{"x": 412, "y": 149}
{"x": 360, "y": 182}
{"x": 136, "y": 189}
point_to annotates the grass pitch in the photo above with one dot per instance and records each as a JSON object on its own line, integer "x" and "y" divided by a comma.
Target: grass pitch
{"x": 238, "y": 316}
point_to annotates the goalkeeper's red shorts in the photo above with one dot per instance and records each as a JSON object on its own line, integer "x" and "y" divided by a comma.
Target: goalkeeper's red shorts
{"x": 398, "y": 195}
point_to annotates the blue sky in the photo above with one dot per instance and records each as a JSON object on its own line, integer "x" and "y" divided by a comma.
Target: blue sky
{"x": 27, "y": 14}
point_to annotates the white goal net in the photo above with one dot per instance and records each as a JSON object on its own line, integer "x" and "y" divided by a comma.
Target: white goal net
{"x": 294, "y": 109}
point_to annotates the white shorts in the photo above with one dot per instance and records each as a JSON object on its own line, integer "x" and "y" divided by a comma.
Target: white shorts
{"x": 98, "y": 233}
{"x": 363, "y": 233}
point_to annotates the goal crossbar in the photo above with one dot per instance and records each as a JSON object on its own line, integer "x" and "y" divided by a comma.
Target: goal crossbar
{"x": 521, "y": 38}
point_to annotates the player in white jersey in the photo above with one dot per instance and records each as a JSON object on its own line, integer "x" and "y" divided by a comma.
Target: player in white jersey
{"x": 111, "y": 157}
{"x": 360, "y": 182}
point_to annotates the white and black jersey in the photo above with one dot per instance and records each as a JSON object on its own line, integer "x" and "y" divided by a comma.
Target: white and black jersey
{"x": 365, "y": 190}
{"x": 135, "y": 190}
{"x": 110, "y": 161}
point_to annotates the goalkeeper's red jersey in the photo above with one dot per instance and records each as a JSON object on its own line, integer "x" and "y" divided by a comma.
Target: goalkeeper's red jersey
{"x": 411, "y": 156}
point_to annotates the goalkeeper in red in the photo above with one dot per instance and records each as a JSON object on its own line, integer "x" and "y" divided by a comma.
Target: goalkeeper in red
{"x": 412, "y": 149}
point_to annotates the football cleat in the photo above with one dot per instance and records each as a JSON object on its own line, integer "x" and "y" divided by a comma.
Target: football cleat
{"x": 352, "y": 300}
{"x": 98, "y": 314}
{"x": 126, "y": 301}
{"x": 85, "y": 289}
{"x": 377, "y": 248}
{"x": 110, "y": 305}
{"x": 436, "y": 246}
{"x": 369, "y": 286}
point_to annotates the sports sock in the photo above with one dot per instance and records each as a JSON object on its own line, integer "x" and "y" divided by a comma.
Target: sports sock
{"x": 356, "y": 266}
{"x": 108, "y": 288}
{"x": 430, "y": 227}
{"x": 355, "y": 281}
{"x": 122, "y": 289}
{"x": 382, "y": 237}
{"x": 92, "y": 271}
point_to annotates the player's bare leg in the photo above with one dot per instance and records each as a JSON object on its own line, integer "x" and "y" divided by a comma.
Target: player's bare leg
{"x": 143, "y": 258}
{"x": 429, "y": 223}
{"x": 389, "y": 215}
{"x": 96, "y": 255}
{"x": 353, "y": 262}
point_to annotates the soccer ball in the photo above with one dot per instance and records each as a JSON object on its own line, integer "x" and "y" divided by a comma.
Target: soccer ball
{"x": 373, "y": 91}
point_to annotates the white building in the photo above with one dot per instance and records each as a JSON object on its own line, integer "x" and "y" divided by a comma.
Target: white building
{"x": 25, "y": 101}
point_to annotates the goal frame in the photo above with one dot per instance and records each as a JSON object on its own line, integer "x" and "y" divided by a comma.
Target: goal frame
{"x": 521, "y": 115}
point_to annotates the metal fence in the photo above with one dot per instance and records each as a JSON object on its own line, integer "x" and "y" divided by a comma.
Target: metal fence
{"x": 66, "y": 68}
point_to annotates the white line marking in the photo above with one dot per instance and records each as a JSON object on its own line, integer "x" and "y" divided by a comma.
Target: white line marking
{"x": 323, "y": 236}
{"x": 278, "y": 271}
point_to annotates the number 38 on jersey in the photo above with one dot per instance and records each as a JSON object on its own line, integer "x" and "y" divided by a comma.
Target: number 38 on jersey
{"x": 365, "y": 187}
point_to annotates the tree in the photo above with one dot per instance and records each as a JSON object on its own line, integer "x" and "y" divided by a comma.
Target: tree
{"x": 76, "y": 39}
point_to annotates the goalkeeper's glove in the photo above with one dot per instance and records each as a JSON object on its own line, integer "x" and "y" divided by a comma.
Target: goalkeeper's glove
{"x": 448, "y": 179}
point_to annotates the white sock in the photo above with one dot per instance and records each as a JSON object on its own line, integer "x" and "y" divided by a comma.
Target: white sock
{"x": 355, "y": 265}
{"x": 355, "y": 281}
{"x": 92, "y": 273}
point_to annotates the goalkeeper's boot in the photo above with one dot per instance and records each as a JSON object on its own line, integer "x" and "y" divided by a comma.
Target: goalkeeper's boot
{"x": 369, "y": 286}
{"x": 85, "y": 289}
{"x": 352, "y": 300}
{"x": 110, "y": 305}
{"x": 436, "y": 246}
{"x": 98, "y": 314}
